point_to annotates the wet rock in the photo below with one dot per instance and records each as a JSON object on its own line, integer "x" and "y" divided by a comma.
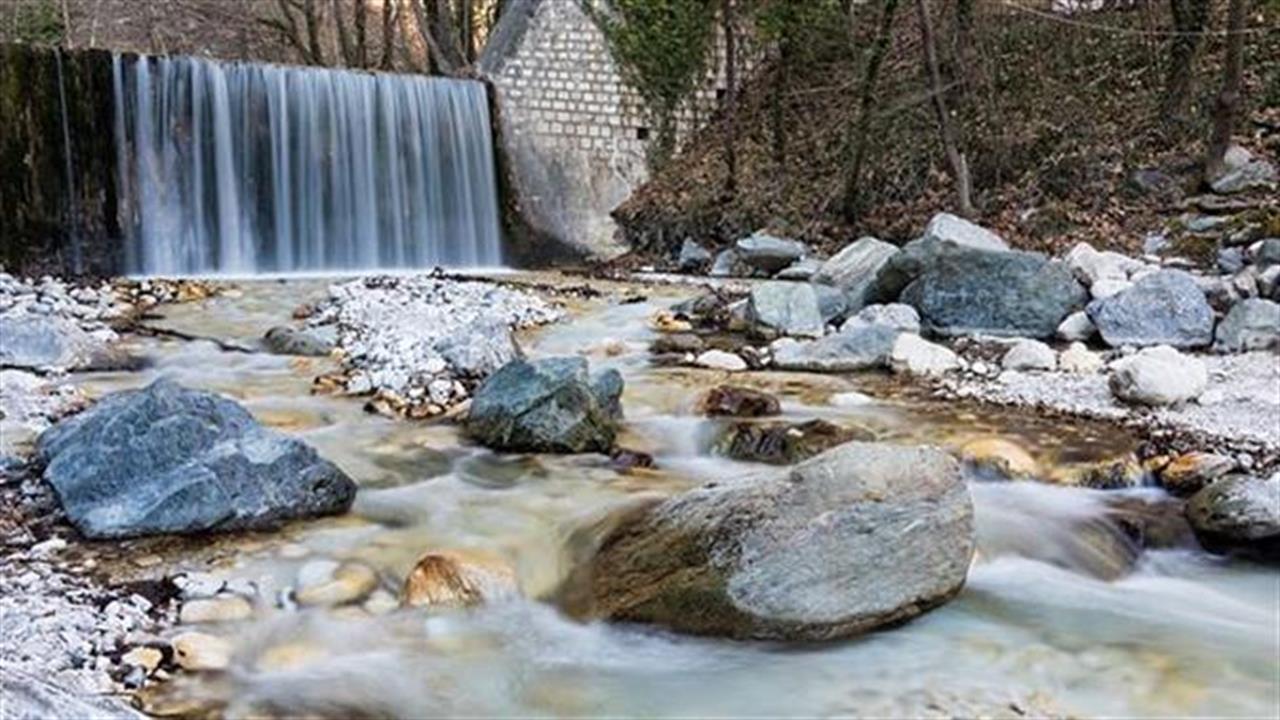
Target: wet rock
{"x": 1151, "y": 522}
{"x": 1252, "y": 324}
{"x": 859, "y": 348}
{"x": 721, "y": 360}
{"x": 693, "y": 257}
{"x": 226, "y": 608}
{"x": 1114, "y": 474}
{"x": 893, "y": 315}
{"x": 678, "y": 343}
{"x": 1238, "y": 512}
{"x": 453, "y": 580}
{"x": 853, "y": 270}
{"x": 1076, "y": 326}
{"x": 799, "y": 271}
{"x": 767, "y": 253}
{"x": 1005, "y": 458}
{"x": 547, "y": 405}
{"x": 914, "y": 355}
{"x": 784, "y": 443}
{"x": 200, "y": 651}
{"x": 738, "y": 401}
{"x": 1158, "y": 376}
{"x": 41, "y": 342}
{"x": 165, "y": 459}
{"x": 1029, "y": 355}
{"x": 796, "y": 309}
{"x": 310, "y": 341}
{"x": 994, "y": 293}
{"x": 623, "y": 460}
{"x": 861, "y": 537}
{"x": 1243, "y": 172}
{"x": 345, "y": 584}
{"x": 1078, "y": 358}
{"x": 1187, "y": 474}
{"x": 1163, "y": 308}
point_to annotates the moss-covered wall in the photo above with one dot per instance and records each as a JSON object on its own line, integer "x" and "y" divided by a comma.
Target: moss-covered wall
{"x": 49, "y": 221}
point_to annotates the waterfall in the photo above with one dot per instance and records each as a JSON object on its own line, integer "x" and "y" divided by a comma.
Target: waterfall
{"x": 252, "y": 168}
{"x": 73, "y": 207}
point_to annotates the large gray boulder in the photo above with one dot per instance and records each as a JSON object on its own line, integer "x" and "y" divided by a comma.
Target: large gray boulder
{"x": 860, "y": 537}
{"x": 1252, "y": 324}
{"x": 793, "y": 308}
{"x": 693, "y": 257}
{"x": 166, "y": 459}
{"x": 946, "y": 234}
{"x": 548, "y": 405}
{"x": 854, "y": 269}
{"x": 40, "y": 342}
{"x": 1164, "y": 308}
{"x": 767, "y": 253}
{"x": 993, "y": 293}
{"x": 857, "y": 348}
{"x": 1238, "y": 512}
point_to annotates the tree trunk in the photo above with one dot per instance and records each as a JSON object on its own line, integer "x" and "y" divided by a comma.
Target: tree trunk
{"x": 438, "y": 61}
{"x": 1189, "y": 20}
{"x": 467, "y": 28}
{"x": 1228, "y": 104}
{"x": 730, "y": 97}
{"x": 955, "y": 158}
{"x": 777, "y": 112}
{"x": 870, "y": 76}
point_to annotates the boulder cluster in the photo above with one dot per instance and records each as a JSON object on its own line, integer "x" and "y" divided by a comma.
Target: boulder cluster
{"x": 876, "y": 305}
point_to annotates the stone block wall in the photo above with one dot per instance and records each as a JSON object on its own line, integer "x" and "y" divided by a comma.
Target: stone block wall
{"x": 575, "y": 134}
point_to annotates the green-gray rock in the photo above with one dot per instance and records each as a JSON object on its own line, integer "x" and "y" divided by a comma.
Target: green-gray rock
{"x": 861, "y": 537}
{"x": 548, "y": 405}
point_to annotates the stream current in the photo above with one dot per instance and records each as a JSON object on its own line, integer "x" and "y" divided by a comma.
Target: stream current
{"x": 1046, "y": 622}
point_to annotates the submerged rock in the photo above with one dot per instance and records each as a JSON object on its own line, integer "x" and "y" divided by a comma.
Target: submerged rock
{"x": 1158, "y": 376}
{"x": 166, "y": 459}
{"x": 738, "y": 401}
{"x": 1163, "y": 308}
{"x": 853, "y": 270}
{"x": 1252, "y": 324}
{"x": 861, "y": 537}
{"x": 454, "y": 580}
{"x": 784, "y": 443}
{"x": 310, "y": 341}
{"x": 1238, "y": 512}
{"x": 547, "y": 405}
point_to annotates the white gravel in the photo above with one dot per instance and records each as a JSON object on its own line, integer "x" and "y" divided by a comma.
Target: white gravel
{"x": 422, "y": 338}
{"x": 1240, "y": 409}
{"x": 92, "y": 308}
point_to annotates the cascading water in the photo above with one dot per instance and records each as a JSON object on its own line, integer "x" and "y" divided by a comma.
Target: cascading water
{"x": 253, "y": 168}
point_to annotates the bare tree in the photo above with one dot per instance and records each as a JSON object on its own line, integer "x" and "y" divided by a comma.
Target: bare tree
{"x": 955, "y": 158}
{"x": 390, "y": 21}
{"x": 305, "y": 39}
{"x": 870, "y": 76}
{"x": 1189, "y": 20}
{"x": 729, "y": 30}
{"x": 1227, "y": 106}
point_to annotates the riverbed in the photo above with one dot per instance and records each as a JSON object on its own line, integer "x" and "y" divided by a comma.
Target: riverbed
{"x": 1057, "y": 617}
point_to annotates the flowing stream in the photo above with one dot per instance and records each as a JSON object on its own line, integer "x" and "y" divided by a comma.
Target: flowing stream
{"x": 1052, "y": 620}
{"x": 244, "y": 168}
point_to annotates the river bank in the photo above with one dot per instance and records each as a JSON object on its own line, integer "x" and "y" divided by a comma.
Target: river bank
{"x": 1083, "y": 616}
